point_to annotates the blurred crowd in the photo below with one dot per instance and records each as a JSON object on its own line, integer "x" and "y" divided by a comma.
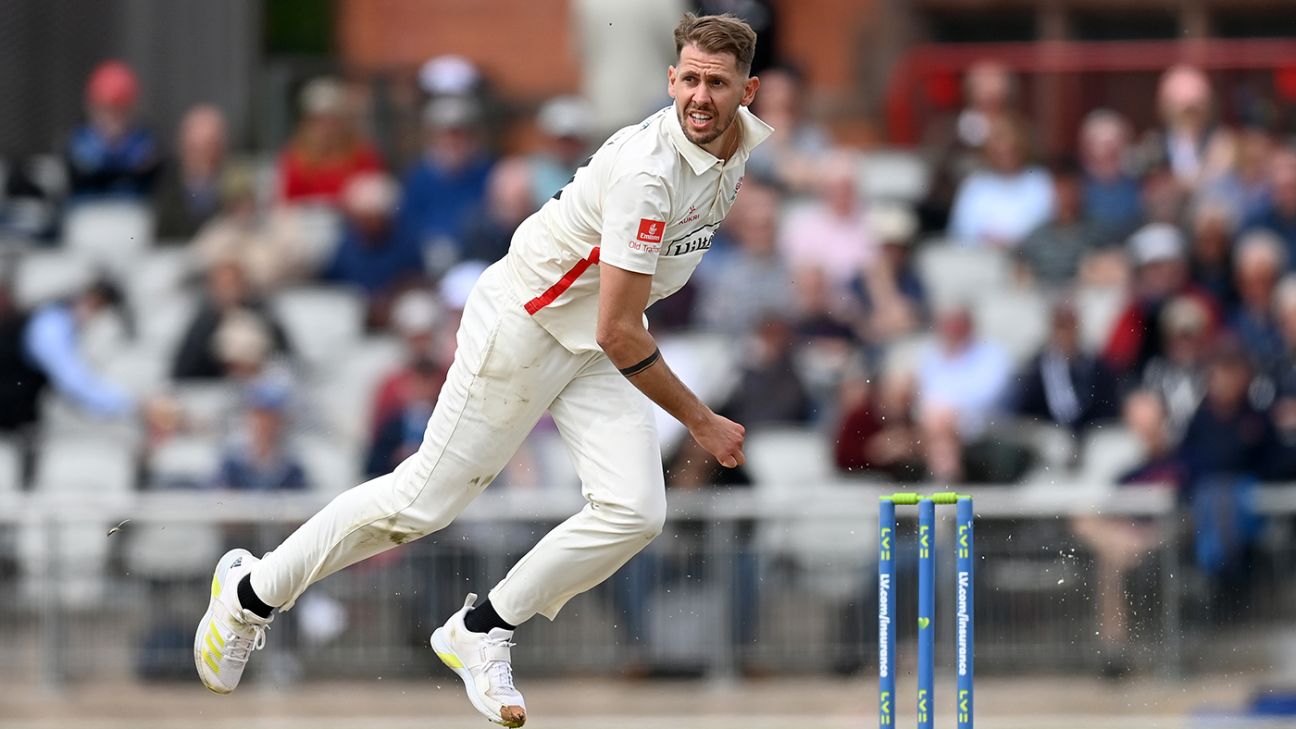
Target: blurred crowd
{"x": 828, "y": 295}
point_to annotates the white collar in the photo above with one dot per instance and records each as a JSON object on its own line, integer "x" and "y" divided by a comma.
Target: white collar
{"x": 754, "y": 131}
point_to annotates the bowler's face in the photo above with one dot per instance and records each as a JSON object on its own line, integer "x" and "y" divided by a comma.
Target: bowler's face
{"x": 708, "y": 88}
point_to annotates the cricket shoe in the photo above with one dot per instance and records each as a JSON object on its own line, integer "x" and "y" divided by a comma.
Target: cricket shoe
{"x": 228, "y": 634}
{"x": 482, "y": 661}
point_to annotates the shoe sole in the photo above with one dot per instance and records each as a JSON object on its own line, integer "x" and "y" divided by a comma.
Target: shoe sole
{"x": 218, "y": 584}
{"x": 452, "y": 661}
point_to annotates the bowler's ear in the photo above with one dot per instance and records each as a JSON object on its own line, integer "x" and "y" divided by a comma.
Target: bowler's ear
{"x": 670, "y": 81}
{"x": 749, "y": 91}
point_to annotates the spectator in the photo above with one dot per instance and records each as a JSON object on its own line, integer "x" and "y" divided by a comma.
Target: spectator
{"x": 991, "y": 93}
{"x": 1259, "y": 261}
{"x": 1051, "y": 255}
{"x": 961, "y": 385}
{"x": 228, "y": 292}
{"x": 41, "y": 348}
{"x": 1190, "y": 143}
{"x": 770, "y": 391}
{"x": 832, "y": 234}
{"x": 1281, "y": 375}
{"x": 1211, "y": 264}
{"x": 1161, "y": 274}
{"x": 449, "y": 180}
{"x": 326, "y": 150}
{"x": 999, "y": 205}
{"x": 789, "y": 158}
{"x": 1111, "y": 195}
{"x": 565, "y": 123}
{"x": 268, "y": 244}
{"x": 111, "y": 155}
{"x": 419, "y": 320}
{"x": 1177, "y": 373}
{"x": 1245, "y": 186}
{"x": 509, "y": 200}
{"x": 890, "y": 293}
{"x": 876, "y": 432}
{"x": 1063, "y": 384}
{"x": 190, "y": 191}
{"x": 1120, "y": 545}
{"x": 400, "y": 433}
{"x": 1277, "y": 213}
{"x": 752, "y": 265}
{"x": 259, "y": 458}
{"x": 375, "y": 254}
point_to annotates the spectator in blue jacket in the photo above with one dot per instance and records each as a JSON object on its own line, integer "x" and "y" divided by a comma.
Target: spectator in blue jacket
{"x": 259, "y": 458}
{"x": 111, "y": 155}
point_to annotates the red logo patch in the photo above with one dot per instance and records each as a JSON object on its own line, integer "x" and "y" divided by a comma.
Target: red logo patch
{"x": 650, "y": 231}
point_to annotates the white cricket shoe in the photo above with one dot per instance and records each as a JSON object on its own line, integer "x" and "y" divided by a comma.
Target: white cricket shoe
{"x": 482, "y": 661}
{"x": 228, "y": 634}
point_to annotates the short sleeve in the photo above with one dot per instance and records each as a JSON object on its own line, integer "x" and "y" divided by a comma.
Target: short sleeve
{"x": 635, "y": 210}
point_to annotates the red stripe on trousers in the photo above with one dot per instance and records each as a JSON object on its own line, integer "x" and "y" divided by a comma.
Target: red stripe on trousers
{"x": 563, "y": 284}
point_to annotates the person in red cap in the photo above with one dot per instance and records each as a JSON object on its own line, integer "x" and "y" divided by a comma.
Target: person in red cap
{"x": 111, "y": 155}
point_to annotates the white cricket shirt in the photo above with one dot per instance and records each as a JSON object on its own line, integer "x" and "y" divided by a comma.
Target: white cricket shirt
{"x": 648, "y": 201}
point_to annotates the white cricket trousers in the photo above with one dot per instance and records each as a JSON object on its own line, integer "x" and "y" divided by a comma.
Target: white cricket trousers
{"x": 507, "y": 371}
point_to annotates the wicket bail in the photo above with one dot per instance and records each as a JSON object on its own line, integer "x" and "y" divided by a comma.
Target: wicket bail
{"x": 926, "y": 605}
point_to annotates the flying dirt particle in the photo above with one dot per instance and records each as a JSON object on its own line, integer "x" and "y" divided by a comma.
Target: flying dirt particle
{"x": 117, "y": 528}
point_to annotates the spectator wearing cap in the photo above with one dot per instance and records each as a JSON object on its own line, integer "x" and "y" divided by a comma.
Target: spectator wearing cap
{"x": 419, "y": 320}
{"x": 997, "y": 206}
{"x": 375, "y": 253}
{"x": 258, "y": 457}
{"x": 565, "y": 122}
{"x": 1161, "y": 273}
{"x": 789, "y": 158}
{"x": 509, "y": 200}
{"x": 1277, "y": 213}
{"x": 111, "y": 154}
{"x": 267, "y": 243}
{"x": 1063, "y": 384}
{"x": 326, "y": 150}
{"x": 189, "y": 193}
{"x": 751, "y": 263}
{"x": 891, "y": 295}
{"x": 1259, "y": 261}
{"x": 1051, "y": 255}
{"x": 449, "y": 181}
{"x": 832, "y": 234}
{"x": 1177, "y": 374}
{"x": 1110, "y": 193}
{"x": 228, "y": 293}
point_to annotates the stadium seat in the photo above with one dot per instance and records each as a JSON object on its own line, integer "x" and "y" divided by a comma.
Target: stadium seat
{"x": 708, "y": 363}
{"x": 894, "y": 174}
{"x": 1108, "y": 452}
{"x": 321, "y": 229}
{"x": 162, "y": 321}
{"x": 84, "y": 464}
{"x": 323, "y": 322}
{"x": 109, "y": 234}
{"x": 207, "y": 407}
{"x": 10, "y": 465}
{"x": 792, "y": 470}
{"x": 344, "y": 392}
{"x": 140, "y": 368}
{"x": 46, "y": 275}
{"x": 954, "y": 273}
{"x": 160, "y": 275}
{"x": 184, "y": 461}
{"x": 1015, "y": 319}
{"x": 331, "y": 465}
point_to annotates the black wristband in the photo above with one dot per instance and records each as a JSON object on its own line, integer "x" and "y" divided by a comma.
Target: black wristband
{"x": 647, "y": 362}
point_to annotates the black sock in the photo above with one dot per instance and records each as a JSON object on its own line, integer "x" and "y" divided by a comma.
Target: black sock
{"x": 483, "y": 618}
{"x": 249, "y": 600}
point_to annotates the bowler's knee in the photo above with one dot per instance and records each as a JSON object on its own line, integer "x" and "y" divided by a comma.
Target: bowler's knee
{"x": 650, "y": 518}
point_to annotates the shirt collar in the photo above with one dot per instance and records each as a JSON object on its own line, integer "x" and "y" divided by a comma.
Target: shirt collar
{"x": 754, "y": 131}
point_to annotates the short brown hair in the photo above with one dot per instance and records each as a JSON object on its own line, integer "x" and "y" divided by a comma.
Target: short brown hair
{"x": 718, "y": 34}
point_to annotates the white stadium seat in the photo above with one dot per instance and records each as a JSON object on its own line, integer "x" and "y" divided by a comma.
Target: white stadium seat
{"x": 323, "y": 322}
{"x": 894, "y": 174}
{"x": 110, "y": 234}
{"x": 954, "y": 273}
{"x": 1015, "y": 319}
{"x": 46, "y": 275}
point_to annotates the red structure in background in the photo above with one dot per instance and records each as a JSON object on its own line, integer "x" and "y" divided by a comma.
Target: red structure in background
{"x": 927, "y": 79}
